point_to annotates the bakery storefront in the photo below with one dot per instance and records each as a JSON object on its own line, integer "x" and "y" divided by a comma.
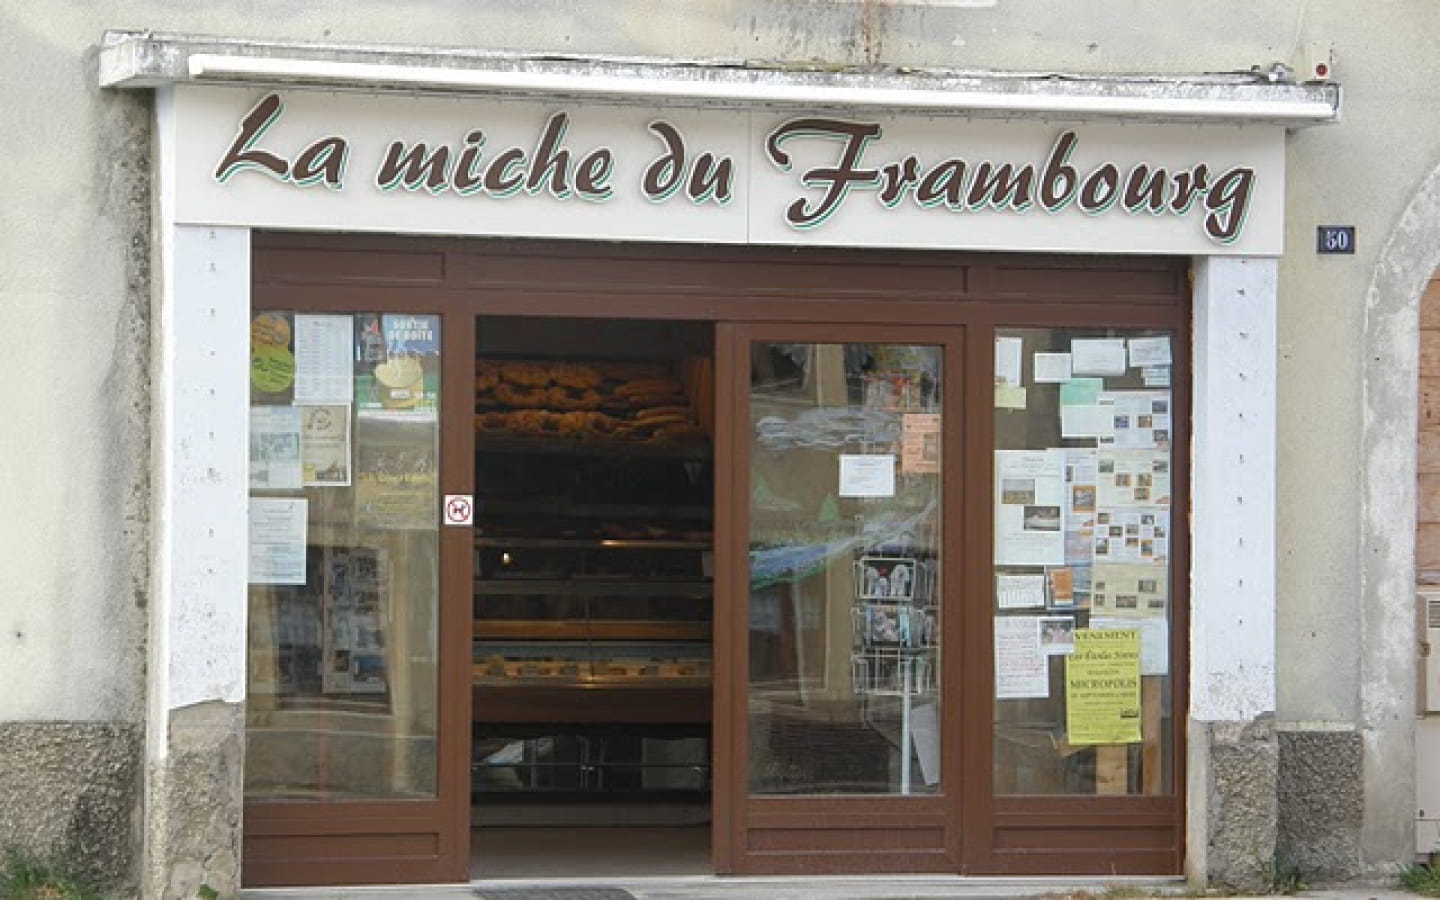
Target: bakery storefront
{"x": 710, "y": 476}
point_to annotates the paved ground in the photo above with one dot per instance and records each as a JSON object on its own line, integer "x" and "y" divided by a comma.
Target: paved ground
{"x": 710, "y": 888}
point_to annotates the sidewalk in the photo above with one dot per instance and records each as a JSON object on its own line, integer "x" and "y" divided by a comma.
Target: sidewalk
{"x": 828, "y": 888}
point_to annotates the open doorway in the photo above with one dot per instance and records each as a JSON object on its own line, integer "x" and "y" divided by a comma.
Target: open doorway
{"x": 594, "y": 481}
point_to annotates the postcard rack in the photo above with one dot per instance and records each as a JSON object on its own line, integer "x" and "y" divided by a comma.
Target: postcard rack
{"x": 896, "y": 629}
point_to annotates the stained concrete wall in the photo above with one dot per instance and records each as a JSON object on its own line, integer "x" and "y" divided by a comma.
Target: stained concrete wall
{"x": 74, "y": 221}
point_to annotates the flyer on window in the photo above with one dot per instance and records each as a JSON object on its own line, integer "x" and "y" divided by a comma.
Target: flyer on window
{"x": 1102, "y": 688}
{"x": 277, "y": 540}
{"x": 397, "y": 366}
{"x": 274, "y": 448}
{"x": 396, "y": 483}
{"x": 325, "y": 445}
{"x": 322, "y": 359}
{"x": 1029, "y": 507}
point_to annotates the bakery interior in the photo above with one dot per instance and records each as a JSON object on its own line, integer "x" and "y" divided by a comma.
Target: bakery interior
{"x": 591, "y": 746}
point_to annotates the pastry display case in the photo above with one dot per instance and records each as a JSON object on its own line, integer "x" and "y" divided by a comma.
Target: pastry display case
{"x": 592, "y": 544}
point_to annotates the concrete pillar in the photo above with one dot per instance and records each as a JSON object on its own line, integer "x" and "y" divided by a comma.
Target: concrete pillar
{"x": 196, "y": 673}
{"x": 1232, "y": 752}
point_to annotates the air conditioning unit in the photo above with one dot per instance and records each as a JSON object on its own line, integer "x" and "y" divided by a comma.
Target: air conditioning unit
{"x": 1427, "y": 730}
{"x": 1430, "y": 648}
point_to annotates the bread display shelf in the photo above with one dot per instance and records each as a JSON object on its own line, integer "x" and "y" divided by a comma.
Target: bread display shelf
{"x": 586, "y": 445}
{"x": 494, "y": 506}
{"x": 686, "y": 589}
{"x": 589, "y": 543}
{"x": 633, "y": 674}
{"x": 589, "y": 630}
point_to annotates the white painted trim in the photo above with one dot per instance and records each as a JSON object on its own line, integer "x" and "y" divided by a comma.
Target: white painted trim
{"x": 201, "y": 401}
{"x": 340, "y": 73}
{"x": 1232, "y": 594}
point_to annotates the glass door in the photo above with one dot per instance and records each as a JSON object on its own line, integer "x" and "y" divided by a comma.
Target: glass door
{"x": 349, "y": 709}
{"x": 847, "y": 493}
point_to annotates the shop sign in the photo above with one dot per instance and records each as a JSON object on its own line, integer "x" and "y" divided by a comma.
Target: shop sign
{"x": 300, "y": 159}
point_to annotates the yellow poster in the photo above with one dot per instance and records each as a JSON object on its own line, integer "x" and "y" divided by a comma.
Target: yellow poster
{"x": 1102, "y": 688}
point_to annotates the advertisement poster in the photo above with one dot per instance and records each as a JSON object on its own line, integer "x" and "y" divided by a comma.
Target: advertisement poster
{"x": 274, "y": 448}
{"x": 1102, "y": 688}
{"x": 397, "y": 366}
{"x": 272, "y": 364}
{"x": 920, "y": 443}
{"x": 1029, "y": 507}
{"x": 396, "y": 483}
{"x": 277, "y": 540}
{"x": 325, "y": 445}
{"x": 355, "y": 589}
{"x": 322, "y": 359}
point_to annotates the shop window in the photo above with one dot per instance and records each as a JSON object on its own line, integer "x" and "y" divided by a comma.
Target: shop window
{"x": 845, "y": 610}
{"x": 344, "y": 557}
{"x": 1084, "y": 588}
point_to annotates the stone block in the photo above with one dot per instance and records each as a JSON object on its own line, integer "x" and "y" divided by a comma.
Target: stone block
{"x": 70, "y": 791}
{"x": 1322, "y": 803}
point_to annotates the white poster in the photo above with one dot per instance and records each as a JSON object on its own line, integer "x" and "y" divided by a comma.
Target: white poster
{"x": 925, "y": 732}
{"x": 1149, "y": 351}
{"x": 274, "y": 448}
{"x": 1051, "y": 368}
{"x": 1098, "y": 356}
{"x": 1154, "y": 640}
{"x": 324, "y": 363}
{"x": 277, "y": 540}
{"x": 1019, "y": 591}
{"x": 1022, "y": 669}
{"x": 867, "y": 475}
{"x": 1029, "y": 507}
{"x": 1097, "y": 421}
{"x": 1008, "y": 356}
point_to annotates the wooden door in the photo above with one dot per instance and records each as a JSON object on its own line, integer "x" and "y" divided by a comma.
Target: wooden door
{"x": 357, "y": 713}
{"x": 838, "y": 696}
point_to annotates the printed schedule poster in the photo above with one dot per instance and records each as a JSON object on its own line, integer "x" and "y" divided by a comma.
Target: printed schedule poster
{"x": 1029, "y": 507}
{"x": 1102, "y": 688}
{"x": 322, "y": 359}
{"x": 277, "y": 540}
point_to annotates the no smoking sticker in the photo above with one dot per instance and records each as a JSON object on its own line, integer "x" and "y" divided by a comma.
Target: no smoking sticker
{"x": 459, "y": 509}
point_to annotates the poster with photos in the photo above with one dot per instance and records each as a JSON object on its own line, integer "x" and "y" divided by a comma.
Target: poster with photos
{"x": 1029, "y": 507}
{"x": 1132, "y": 534}
{"x": 1132, "y": 478}
{"x": 1142, "y": 419}
{"x": 1135, "y": 591}
{"x": 356, "y": 619}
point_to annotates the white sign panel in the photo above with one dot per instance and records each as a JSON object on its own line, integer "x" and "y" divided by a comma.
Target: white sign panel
{"x": 310, "y": 159}
{"x": 459, "y": 509}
